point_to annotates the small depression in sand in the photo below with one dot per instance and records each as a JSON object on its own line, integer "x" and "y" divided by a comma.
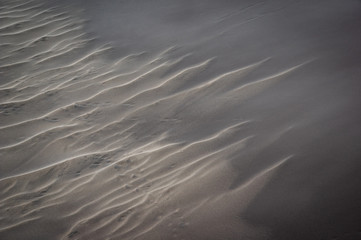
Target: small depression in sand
{"x": 189, "y": 120}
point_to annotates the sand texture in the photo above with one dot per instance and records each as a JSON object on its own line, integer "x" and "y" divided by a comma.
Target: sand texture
{"x": 185, "y": 120}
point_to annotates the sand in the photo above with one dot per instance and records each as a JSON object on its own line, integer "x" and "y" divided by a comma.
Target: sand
{"x": 180, "y": 120}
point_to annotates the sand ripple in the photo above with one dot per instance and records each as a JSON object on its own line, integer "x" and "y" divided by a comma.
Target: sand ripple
{"x": 99, "y": 148}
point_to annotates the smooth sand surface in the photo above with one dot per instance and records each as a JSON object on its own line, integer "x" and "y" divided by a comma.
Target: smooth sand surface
{"x": 193, "y": 120}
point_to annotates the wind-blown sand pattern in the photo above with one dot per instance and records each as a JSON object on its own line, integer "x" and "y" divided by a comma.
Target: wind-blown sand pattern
{"x": 172, "y": 141}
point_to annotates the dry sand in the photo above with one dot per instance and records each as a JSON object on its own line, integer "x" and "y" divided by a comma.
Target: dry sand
{"x": 207, "y": 120}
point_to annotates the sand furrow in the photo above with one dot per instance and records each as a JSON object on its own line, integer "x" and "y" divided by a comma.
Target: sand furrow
{"x": 19, "y": 223}
{"x": 9, "y": 6}
{"x": 34, "y": 137}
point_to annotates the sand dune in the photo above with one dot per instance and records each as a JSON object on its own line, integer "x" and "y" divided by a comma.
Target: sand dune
{"x": 182, "y": 139}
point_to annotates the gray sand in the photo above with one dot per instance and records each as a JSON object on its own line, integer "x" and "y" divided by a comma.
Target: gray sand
{"x": 180, "y": 119}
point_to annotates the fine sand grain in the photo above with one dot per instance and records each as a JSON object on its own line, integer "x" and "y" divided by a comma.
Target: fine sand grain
{"x": 182, "y": 120}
